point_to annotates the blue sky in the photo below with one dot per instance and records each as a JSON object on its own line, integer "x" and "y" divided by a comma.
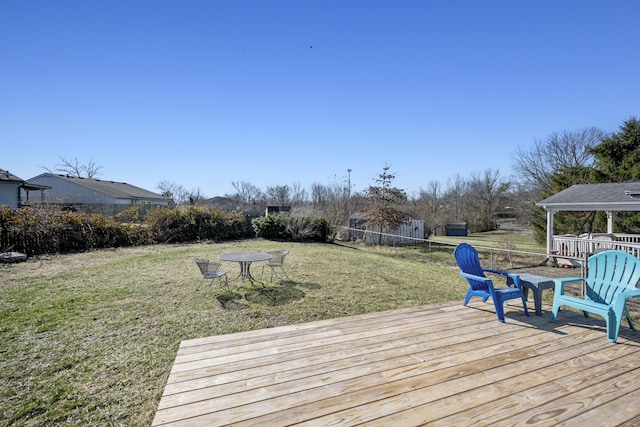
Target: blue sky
{"x": 206, "y": 93}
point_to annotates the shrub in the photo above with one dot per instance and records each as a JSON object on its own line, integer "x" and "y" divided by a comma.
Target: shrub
{"x": 41, "y": 230}
{"x": 194, "y": 223}
{"x": 270, "y": 227}
{"x": 291, "y": 227}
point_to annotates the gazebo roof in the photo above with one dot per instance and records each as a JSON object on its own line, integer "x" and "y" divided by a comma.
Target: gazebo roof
{"x": 620, "y": 196}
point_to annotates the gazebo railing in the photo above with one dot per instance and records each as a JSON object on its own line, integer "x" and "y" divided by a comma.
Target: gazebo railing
{"x": 573, "y": 247}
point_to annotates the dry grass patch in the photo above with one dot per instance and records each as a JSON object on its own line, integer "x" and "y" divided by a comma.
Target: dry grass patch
{"x": 89, "y": 338}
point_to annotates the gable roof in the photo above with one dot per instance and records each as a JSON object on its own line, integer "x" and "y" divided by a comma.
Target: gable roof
{"x": 6, "y": 176}
{"x": 119, "y": 190}
{"x": 619, "y": 196}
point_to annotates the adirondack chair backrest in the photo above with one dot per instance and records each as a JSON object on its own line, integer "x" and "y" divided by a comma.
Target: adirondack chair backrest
{"x": 467, "y": 258}
{"x": 610, "y": 273}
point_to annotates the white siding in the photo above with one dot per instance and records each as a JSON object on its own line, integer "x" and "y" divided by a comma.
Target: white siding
{"x": 10, "y": 194}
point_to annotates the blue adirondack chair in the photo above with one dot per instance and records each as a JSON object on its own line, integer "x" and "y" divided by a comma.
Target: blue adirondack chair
{"x": 612, "y": 279}
{"x": 481, "y": 286}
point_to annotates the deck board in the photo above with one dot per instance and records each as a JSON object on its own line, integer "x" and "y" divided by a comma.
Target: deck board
{"x": 437, "y": 365}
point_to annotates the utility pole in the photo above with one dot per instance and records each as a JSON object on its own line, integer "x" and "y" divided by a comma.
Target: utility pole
{"x": 348, "y": 189}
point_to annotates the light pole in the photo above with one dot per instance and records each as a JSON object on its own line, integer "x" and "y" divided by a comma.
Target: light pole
{"x": 348, "y": 188}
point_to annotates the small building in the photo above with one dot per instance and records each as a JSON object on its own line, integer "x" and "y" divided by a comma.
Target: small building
{"x": 10, "y": 189}
{"x": 277, "y": 210}
{"x": 411, "y": 231}
{"x": 456, "y": 229}
{"x": 14, "y": 191}
{"x": 94, "y": 195}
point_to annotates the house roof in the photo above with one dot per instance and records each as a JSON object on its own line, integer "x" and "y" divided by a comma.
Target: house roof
{"x": 620, "y": 196}
{"x": 359, "y": 215}
{"x": 119, "y": 190}
{"x": 7, "y": 176}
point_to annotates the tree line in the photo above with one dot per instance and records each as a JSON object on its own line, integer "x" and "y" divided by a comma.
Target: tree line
{"x": 484, "y": 198}
{"x": 481, "y": 200}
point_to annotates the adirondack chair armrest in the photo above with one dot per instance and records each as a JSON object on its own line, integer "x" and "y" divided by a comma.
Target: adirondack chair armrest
{"x": 621, "y": 299}
{"x": 514, "y": 278}
{"x": 500, "y": 272}
{"x": 631, "y": 294}
{"x": 478, "y": 278}
{"x": 559, "y": 288}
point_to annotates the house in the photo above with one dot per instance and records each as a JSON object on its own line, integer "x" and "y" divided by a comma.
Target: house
{"x": 12, "y": 189}
{"x": 94, "y": 195}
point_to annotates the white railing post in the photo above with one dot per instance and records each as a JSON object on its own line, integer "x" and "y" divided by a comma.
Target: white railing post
{"x": 550, "y": 214}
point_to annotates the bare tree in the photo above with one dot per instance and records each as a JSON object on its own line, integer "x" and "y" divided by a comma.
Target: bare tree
{"x": 430, "y": 206}
{"x": 330, "y": 202}
{"x": 196, "y": 197}
{"x": 298, "y": 195}
{"x": 76, "y": 169}
{"x": 279, "y": 194}
{"x": 177, "y": 193}
{"x": 559, "y": 151}
{"x": 245, "y": 192}
{"x": 487, "y": 190}
{"x": 521, "y": 200}
{"x": 320, "y": 195}
{"x": 455, "y": 198}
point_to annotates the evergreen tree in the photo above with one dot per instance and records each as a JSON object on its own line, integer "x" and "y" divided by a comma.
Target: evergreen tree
{"x": 618, "y": 160}
{"x": 383, "y": 199}
{"x": 617, "y": 157}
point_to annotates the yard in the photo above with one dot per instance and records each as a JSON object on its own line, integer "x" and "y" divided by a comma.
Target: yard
{"x": 90, "y": 338}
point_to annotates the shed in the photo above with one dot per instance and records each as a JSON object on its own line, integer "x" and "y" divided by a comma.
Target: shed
{"x": 456, "y": 229}
{"x": 411, "y": 231}
{"x": 277, "y": 210}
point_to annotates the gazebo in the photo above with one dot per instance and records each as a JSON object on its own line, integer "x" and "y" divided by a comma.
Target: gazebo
{"x": 610, "y": 197}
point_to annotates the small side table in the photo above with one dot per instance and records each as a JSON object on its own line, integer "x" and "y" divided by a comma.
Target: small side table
{"x": 537, "y": 284}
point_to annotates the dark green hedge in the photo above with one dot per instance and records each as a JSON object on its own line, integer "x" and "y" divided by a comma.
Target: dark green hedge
{"x": 288, "y": 227}
{"x": 196, "y": 223}
{"x": 35, "y": 231}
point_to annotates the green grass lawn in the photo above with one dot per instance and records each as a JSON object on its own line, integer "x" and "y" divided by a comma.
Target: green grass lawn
{"x": 89, "y": 338}
{"x": 499, "y": 239}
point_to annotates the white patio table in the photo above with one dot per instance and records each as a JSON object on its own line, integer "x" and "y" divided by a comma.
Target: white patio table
{"x": 245, "y": 259}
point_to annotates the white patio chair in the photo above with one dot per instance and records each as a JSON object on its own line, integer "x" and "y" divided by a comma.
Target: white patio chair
{"x": 277, "y": 262}
{"x": 211, "y": 271}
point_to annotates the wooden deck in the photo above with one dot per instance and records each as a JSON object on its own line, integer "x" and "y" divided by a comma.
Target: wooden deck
{"x": 437, "y": 365}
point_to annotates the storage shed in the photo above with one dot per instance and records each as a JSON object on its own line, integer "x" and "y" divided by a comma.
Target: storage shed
{"x": 411, "y": 231}
{"x": 456, "y": 229}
